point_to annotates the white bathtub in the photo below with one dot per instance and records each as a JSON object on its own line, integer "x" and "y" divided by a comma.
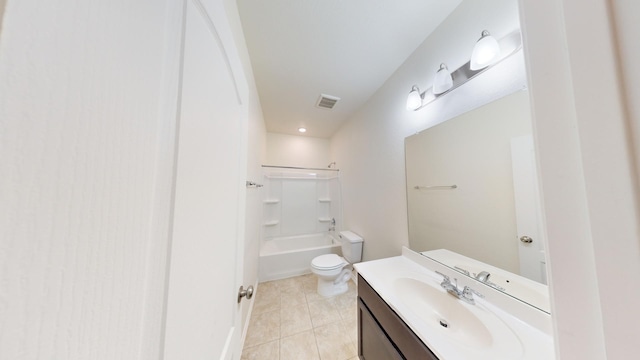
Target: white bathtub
{"x": 289, "y": 256}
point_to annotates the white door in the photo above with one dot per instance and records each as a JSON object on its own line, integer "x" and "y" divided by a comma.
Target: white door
{"x": 202, "y": 320}
{"x": 528, "y": 210}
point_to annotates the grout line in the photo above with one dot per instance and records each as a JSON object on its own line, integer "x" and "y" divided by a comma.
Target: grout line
{"x": 341, "y": 319}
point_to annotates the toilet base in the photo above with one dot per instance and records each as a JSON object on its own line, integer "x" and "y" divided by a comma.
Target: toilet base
{"x": 327, "y": 288}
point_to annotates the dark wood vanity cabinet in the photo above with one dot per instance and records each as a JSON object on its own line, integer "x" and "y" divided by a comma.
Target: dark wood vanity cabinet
{"x": 382, "y": 335}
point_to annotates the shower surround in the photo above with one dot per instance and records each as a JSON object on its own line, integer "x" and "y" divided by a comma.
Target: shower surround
{"x": 301, "y": 215}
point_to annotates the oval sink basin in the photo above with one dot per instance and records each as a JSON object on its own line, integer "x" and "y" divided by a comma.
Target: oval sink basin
{"x": 463, "y": 324}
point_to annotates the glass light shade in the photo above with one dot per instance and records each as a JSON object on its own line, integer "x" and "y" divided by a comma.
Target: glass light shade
{"x": 485, "y": 52}
{"x": 443, "y": 80}
{"x": 414, "y": 100}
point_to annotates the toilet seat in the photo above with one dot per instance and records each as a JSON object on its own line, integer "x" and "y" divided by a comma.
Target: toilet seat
{"x": 328, "y": 262}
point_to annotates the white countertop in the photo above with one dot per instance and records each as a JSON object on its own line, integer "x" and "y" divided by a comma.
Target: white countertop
{"x": 510, "y": 337}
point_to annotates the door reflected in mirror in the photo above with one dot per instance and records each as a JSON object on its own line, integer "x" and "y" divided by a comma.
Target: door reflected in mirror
{"x": 472, "y": 188}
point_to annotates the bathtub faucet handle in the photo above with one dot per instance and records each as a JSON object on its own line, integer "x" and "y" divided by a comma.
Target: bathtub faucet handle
{"x": 333, "y": 225}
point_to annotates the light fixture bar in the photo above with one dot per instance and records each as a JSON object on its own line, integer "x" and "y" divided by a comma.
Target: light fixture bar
{"x": 463, "y": 74}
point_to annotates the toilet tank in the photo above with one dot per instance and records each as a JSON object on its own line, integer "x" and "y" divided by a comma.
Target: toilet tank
{"x": 351, "y": 246}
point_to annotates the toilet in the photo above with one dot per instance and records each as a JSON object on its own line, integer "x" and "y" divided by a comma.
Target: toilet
{"x": 334, "y": 271}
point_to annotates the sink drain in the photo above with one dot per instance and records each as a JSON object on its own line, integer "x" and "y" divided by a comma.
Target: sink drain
{"x": 444, "y": 323}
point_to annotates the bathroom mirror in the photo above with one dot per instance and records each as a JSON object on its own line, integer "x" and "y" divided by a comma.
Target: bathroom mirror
{"x": 472, "y": 188}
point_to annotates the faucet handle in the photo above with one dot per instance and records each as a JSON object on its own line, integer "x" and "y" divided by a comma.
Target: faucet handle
{"x": 446, "y": 278}
{"x": 466, "y": 272}
{"x": 483, "y": 276}
{"x": 468, "y": 291}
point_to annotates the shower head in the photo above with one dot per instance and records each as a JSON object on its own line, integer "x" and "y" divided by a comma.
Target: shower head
{"x": 332, "y": 163}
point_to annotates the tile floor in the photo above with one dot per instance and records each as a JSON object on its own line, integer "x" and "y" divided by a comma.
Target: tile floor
{"x": 291, "y": 321}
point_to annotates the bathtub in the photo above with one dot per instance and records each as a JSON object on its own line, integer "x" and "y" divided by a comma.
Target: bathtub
{"x": 284, "y": 257}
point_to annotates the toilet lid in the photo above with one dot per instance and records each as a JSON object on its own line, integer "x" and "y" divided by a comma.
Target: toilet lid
{"x": 329, "y": 261}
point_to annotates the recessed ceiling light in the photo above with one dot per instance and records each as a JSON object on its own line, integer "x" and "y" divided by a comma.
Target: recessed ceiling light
{"x": 302, "y": 130}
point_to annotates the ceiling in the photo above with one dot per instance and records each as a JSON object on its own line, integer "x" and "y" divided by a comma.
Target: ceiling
{"x": 300, "y": 49}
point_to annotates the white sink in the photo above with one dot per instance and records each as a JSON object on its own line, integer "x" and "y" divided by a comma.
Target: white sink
{"x": 451, "y": 328}
{"x": 472, "y": 326}
{"x": 443, "y": 312}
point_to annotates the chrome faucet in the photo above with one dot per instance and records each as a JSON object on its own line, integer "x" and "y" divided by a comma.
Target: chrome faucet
{"x": 465, "y": 295}
{"x": 333, "y": 225}
{"x": 483, "y": 276}
{"x": 466, "y": 272}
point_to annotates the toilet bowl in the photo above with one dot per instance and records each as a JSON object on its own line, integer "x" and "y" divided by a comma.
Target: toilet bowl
{"x": 334, "y": 271}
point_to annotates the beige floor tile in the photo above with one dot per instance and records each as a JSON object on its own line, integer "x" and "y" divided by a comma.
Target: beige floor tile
{"x": 292, "y": 297}
{"x": 310, "y": 285}
{"x": 323, "y": 312}
{"x": 308, "y": 277}
{"x": 294, "y": 319}
{"x": 266, "y": 302}
{"x": 299, "y": 346}
{"x": 343, "y": 300}
{"x": 334, "y": 343}
{"x": 267, "y": 351}
{"x": 285, "y": 314}
{"x": 351, "y": 328}
{"x": 310, "y": 280}
{"x": 347, "y": 307}
{"x": 269, "y": 287}
{"x": 263, "y": 328}
{"x": 295, "y": 283}
{"x": 312, "y": 295}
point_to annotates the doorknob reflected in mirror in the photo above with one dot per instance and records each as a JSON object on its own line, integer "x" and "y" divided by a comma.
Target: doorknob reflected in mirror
{"x": 525, "y": 239}
{"x": 248, "y": 293}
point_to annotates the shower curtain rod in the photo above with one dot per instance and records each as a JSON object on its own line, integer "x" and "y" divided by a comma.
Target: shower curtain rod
{"x": 297, "y": 168}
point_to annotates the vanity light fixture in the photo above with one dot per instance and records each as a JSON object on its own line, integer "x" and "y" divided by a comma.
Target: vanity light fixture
{"x": 485, "y": 52}
{"x": 302, "y": 130}
{"x": 414, "y": 101}
{"x": 443, "y": 80}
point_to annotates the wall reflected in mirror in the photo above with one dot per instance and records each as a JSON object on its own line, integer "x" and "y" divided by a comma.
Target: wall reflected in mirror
{"x": 472, "y": 188}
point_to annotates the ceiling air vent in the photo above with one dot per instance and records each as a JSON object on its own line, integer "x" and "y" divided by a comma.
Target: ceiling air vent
{"x": 327, "y": 101}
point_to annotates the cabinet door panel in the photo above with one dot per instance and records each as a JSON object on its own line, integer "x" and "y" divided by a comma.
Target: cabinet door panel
{"x": 400, "y": 335}
{"x": 373, "y": 344}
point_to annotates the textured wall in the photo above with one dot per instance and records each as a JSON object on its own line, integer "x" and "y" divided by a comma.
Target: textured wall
{"x": 80, "y": 97}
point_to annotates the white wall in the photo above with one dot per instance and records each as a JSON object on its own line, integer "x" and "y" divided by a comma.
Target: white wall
{"x": 626, "y": 14}
{"x": 298, "y": 151}
{"x": 369, "y": 149}
{"x": 83, "y": 124}
{"x": 256, "y": 151}
{"x": 3, "y": 3}
{"x": 588, "y": 170}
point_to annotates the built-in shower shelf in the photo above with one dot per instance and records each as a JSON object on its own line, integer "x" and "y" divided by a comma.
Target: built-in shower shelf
{"x": 324, "y": 219}
{"x": 272, "y": 223}
{"x": 272, "y": 201}
{"x": 324, "y": 200}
